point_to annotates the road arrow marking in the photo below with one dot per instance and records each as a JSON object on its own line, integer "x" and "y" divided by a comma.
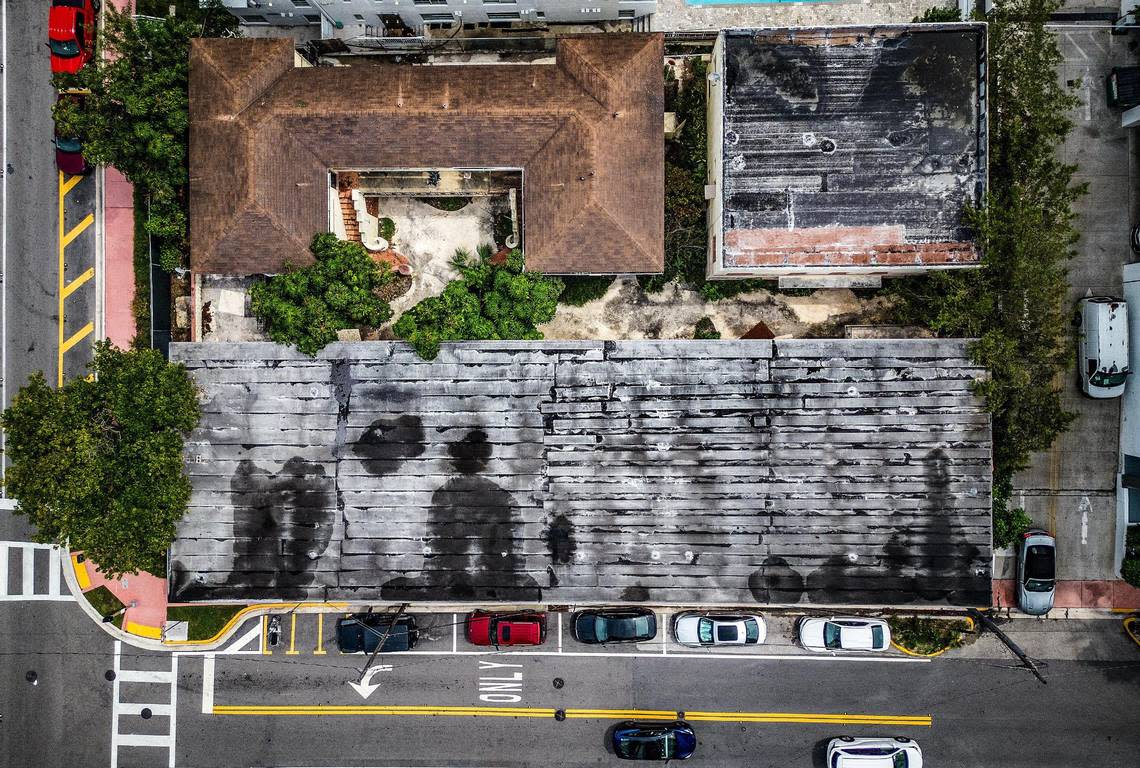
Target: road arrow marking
{"x": 365, "y": 687}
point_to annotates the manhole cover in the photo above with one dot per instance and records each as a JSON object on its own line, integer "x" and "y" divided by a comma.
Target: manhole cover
{"x": 109, "y": 674}
{"x": 146, "y": 713}
{"x": 31, "y": 676}
{"x": 559, "y": 682}
{"x": 560, "y": 715}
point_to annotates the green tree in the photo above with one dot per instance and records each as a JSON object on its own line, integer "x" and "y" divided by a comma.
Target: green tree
{"x": 98, "y": 462}
{"x": 306, "y": 306}
{"x": 939, "y": 15}
{"x": 1017, "y": 304}
{"x": 490, "y": 301}
{"x": 136, "y": 113}
{"x": 706, "y": 329}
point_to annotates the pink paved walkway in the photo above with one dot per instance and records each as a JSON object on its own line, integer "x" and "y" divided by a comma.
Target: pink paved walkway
{"x": 1076, "y": 594}
{"x": 147, "y": 592}
{"x": 118, "y": 259}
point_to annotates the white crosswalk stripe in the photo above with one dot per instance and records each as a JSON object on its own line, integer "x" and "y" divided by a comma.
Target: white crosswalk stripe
{"x": 154, "y": 694}
{"x": 20, "y": 582}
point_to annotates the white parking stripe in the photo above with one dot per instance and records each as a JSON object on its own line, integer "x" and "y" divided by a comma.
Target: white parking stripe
{"x": 115, "y": 706}
{"x": 3, "y": 567}
{"x": 173, "y": 708}
{"x": 208, "y": 684}
{"x": 454, "y": 632}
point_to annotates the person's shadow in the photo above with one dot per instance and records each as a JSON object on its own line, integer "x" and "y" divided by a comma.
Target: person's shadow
{"x": 471, "y": 538}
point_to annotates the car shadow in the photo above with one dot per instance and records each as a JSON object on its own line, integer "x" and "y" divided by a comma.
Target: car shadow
{"x": 819, "y": 753}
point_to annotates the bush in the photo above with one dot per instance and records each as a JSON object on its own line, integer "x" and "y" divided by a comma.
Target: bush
{"x": 926, "y": 636}
{"x": 448, "y": 204}
{"x": 1130, "y": 568}
{"x": 490, "y": 301}
{"x": 706, "y": 329}
{"x": 1009, "y": 525}
{"x": 99, "y": 461}
{"x": 306, "y": 306}
{"x": 583, "y": 290}
{"x": 939, "y": 15}
{"x": 387, "y": 229}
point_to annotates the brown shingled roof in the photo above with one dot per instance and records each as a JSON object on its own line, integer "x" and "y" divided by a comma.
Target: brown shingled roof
{"x": 586, "y": 131}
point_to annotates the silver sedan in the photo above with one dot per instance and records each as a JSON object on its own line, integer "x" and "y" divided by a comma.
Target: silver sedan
{"x": 700, "y": 630}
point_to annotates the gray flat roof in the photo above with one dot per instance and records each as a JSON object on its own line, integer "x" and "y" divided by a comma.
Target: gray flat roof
{"x": 852, "y": 146}
{"x": 818, "y": 471}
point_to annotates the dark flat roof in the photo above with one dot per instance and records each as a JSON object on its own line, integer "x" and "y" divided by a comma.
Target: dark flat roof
{"x": 738, "y": 472}
{"x": 851, "y": 146}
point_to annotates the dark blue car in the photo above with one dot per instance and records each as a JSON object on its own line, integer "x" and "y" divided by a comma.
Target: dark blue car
{"x": 654, "y": 741}
{"x": 615, "y": 625}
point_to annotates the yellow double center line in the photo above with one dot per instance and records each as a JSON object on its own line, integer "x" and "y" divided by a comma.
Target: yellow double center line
{"x": 580, "y": 714}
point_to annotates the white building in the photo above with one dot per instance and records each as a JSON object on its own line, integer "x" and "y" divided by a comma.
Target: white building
{"x": 369, "y": 18}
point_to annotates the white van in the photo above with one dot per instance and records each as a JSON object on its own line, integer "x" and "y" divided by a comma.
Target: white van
{"x": 1102, "y": 346}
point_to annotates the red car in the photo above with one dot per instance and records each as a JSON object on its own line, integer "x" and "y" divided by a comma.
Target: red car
{"x": 509, "y": 628}
{"x": 71, "y": 34}
{"x": 69, "y": 151}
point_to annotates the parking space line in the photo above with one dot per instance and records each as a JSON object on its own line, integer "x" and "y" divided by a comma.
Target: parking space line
{"x": 78, "y": 230}
{"x": 3, "y": 568}
{"x": 75, "y": 284}
{"x": 560, "y": 633}
{"x": 75, "y": 338}
{"x": 265, "y": 649}
{"x": 320, "y": 635}
{"x": 454, "y": 632}
{"x": 207, "y": 683}
{"x": 292, "y": 636}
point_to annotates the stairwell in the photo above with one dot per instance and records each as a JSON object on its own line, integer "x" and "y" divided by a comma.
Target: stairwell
{"x": 351, "y": 226}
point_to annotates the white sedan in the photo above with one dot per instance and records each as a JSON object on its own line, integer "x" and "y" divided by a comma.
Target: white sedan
{"x": 848, "y": 752}
{"x": 844, "y": 633}
{"x": 695, "y": 629}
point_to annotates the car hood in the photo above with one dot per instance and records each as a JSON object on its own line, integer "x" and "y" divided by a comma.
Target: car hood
{"x": 1036, "y": 603}
{"x": 811, "y": 633}
{"x": 686, "y": 630}
{"x": 478, "y": 630}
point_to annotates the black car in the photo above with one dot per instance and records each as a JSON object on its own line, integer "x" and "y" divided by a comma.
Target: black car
{"x": 362, "y": 633}
{"x": 654, "y": 741}
{"x": 615, "y": 625}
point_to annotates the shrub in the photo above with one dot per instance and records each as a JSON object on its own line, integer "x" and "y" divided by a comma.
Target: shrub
{"x": 939, "y": 15}
{"x": 446, "y": 203}
{"x": 706, "y": 329}
{"x": 306, "y": 306}
{"x": 1009, "y": 525}
{"x": 387, "y": 229}
{"x": 489, "y": 301}
{"x": 583, "y": 290}
{"x": 99, "y": 461}
{"x": 1130, "y": 568}
{"x": 926, "y": 636}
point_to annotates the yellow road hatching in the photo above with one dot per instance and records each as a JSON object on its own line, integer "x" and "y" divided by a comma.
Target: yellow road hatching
{"x": 65, "y": 290}
{"x": 305, "y": 710}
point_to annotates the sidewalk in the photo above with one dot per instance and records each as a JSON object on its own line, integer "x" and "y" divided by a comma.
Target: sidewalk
{"x": 1090, "y": 593}
{"x": 700, "y": 15}
{"x": 143, "y": 595}
{"x": 118, "y": 259}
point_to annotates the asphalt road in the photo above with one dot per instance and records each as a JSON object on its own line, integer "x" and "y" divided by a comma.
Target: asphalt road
{"x": 49, "y": 223}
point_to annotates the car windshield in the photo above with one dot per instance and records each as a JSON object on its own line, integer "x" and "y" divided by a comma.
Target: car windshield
{"x": 1040, "y": 563}
{"x": 831, "y": 636}
{"x": 900, "y": 760}
{"x": 751, "y": 631}
{"x": 505, "y": 633}
{"x": 69, "y": 145}
{"x": 600, "y": 627}
{"x": 658, "y": 746}
{"x": 1101, "y": 379}
{"x": 640, "y": 626}
{"x": 877, "y": 637}
{"x": 705, "y": 630}
{"x": 64, "y": 48}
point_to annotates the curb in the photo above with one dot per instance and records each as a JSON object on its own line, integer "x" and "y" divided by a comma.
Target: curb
{"x": 908, "y": 652}
{"x": 249, "y": 611}
{"x": 1132, "y": 628}
{"x": 71, "y": 576}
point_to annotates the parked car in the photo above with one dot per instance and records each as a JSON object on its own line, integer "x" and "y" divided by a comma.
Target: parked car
{"x": 71, "y": 34}
{"x": 1036, "y": 572}
{"x": 507, "y": 628}
{"x": 69, "y": 151}
{"x": 849, "y": 752}
{"x": 696, "y": 629}
{"x": 1102, "y": 347}
{"x": 615, "y": 625}
{"x": 633, "y": 740}
{"x": 362, "y": 633}
{"x": 844, "y": 633}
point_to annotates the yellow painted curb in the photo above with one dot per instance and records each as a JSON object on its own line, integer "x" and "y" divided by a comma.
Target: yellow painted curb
{"x": 909, "y": 652}
{"x": 80, "y": 573}
{"x": 142, "y": 630}
{"x": 1133, "y": 631}
{"x": 245, "y": 612}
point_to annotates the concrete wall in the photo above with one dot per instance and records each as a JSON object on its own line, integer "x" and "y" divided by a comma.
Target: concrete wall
{"x": 362, "y": 17}
{"x": 715, "y": 89}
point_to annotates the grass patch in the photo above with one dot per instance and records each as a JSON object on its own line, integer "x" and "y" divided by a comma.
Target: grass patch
{"x": 140, "y": 306}
{"x": 919, "y": 634}
{"x": 1130, "y": 568}
{"x": 204, "y": 621}
{"x": 103, "y": 601}
{"x": 446, "y": 203}
{"x": 583, "y": 290}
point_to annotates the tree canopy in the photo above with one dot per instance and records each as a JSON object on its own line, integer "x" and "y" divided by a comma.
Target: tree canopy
{"x": 306, "y": 306}
{"x": 491, "y": 300}
{"x": 99, "y": 461}
{"x": 135, "y": 115}
{"x": 1017, "y": 304}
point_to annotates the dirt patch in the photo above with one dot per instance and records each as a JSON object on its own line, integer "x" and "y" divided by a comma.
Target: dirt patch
{"x": 627, "y": 312}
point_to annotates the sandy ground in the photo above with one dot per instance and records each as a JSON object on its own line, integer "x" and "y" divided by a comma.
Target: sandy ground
{"x": 429, "y": 238}
{"x": 627, "y": 312}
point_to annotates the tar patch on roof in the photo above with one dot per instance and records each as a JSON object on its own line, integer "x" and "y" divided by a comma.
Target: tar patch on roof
{"x": 692, "y": 472}
{"x": 846, "y": 150}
